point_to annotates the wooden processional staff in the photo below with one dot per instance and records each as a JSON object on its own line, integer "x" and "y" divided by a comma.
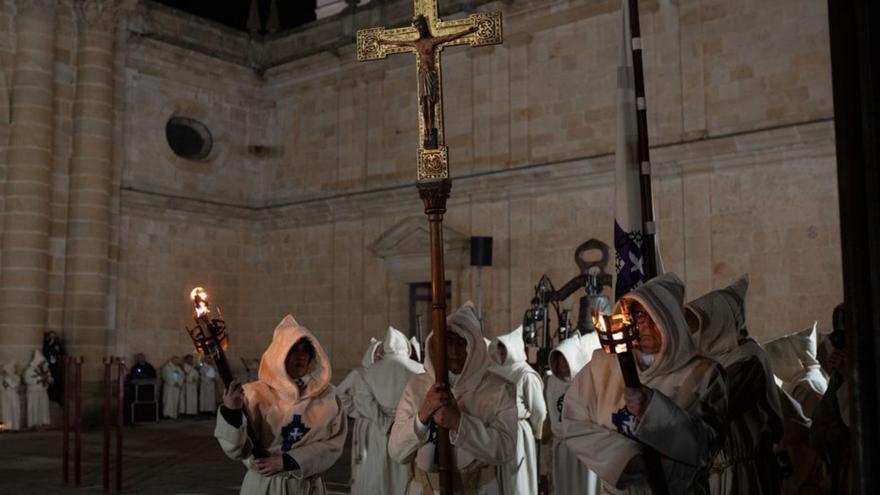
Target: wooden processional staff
{"x": 426, "y": 37}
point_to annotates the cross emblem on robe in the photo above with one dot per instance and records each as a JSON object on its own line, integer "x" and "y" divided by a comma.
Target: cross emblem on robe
{"x": 293, "y": 432}
{"x": 426, "y": 37}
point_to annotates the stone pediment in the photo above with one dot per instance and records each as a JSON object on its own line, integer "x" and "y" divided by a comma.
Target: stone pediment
{"x": 406, "y": 249}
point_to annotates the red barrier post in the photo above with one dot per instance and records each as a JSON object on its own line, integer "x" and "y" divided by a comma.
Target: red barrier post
{"x": 120, "y": 406}
{"x": 105, "y": 472}
{"x": 77, "y": 423}
{"x": 65, "y": 428}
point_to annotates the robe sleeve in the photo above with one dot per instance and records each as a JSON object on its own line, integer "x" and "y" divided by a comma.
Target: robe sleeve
{"x": 605, "y": 452}
{"x": 233, "y": 440}
{"x": 405, "y": 439}
{"x": 690, "y": 436}
{"x": 345, "y": 393}
{"x": 367, "y": 406}
{"x": 319, "y": 456}
{"x": 533, "y": 397}
{"x": 494, "y": 441}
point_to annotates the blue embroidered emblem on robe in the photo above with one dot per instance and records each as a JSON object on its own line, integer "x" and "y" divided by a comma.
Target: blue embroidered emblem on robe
{"x": 293, "y": 433}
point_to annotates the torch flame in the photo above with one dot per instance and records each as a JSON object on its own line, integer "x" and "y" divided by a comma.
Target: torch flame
{"x": 599, "y": 322}
{"x": 200, "y": 298}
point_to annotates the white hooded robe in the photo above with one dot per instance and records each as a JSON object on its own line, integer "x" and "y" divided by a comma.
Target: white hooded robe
{"x": 189, "y": 398}
{"x": 377, "y": 402}
{"x": 309, "y": 426}
{"x": 207, "y": 388}
{"x": 486, "y": 437}
{"x": 520, "y": 476}
{"x": 746, "y": 462}
{"x": 37, "y": 378}
{"x": 569, "y": 475}
{"x": 10, "y": 414}
{"x": 345, "y": 391}
{"x": 793, "y": 359}
{"x": 683, "y": 420}
{"x": 172, "y": 380}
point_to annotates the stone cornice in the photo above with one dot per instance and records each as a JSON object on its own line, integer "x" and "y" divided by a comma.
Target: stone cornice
{"x": 800, "y": 141}
{"x": 101, "y": 15}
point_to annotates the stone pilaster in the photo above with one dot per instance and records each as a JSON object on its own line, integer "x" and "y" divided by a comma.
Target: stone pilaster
{"x": 24, "y": 245}
{"x": 91, "y": 172}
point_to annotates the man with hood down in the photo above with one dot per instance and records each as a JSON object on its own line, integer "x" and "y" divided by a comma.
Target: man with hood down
{"x": 679, "y": 411}
{"x": 293, "y": 412}
{"x": 746, "y": 462}
{"x": 479, "y": 409}
{"x": 569, "y": 475}
{"x": 345, "y": 391}
{"x": 377, "y": 402}
{"x": 520, "y": 476}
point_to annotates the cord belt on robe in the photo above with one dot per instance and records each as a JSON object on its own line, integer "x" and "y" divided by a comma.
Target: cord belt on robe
{"x": 466, "y": 482}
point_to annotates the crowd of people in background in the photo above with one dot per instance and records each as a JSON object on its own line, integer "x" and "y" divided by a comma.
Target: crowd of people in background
{"x": 189, "y": 388}
{"x": 723, "y": 413}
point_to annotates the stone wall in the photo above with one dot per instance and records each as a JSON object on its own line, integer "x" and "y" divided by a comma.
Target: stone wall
{"x": 313, "y": 165}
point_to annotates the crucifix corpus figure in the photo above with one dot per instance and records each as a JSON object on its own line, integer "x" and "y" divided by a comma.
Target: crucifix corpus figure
{"x": 425, "y": 47}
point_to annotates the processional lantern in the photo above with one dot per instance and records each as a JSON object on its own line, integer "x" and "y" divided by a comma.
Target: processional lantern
{"x": 426, "y": 37}
{"x": 619, "y": 335}
{"x": 209, "y": 333}
{"x": 211, "y": 339}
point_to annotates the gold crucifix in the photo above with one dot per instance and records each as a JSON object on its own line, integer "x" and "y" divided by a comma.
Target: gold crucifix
{"x": 426, "y": 37}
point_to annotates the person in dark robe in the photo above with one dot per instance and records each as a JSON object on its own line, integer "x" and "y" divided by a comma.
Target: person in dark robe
{"x": 746, "y": 462}
{"x": 141, "y": 369}
{"x": 53, "y": 350}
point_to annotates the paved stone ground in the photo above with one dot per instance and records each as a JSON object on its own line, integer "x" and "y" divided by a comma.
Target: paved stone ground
{"x": 167, "y": 458}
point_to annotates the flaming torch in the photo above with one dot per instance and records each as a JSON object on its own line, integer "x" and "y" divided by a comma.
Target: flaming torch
{"x": 210, "y": 338}
{"x": 209, "y": 334}
{"x": 620, "y": 336}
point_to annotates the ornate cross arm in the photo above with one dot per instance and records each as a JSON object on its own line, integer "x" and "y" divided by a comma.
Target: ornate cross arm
{"x": 376, "y": 43}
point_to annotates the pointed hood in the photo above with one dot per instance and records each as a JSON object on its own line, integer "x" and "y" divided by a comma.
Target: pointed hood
{"x": 388, "y": 377}
{"x": 464, "y": 323}
{"x": 9, "y": 368}
{"x": 515, "y": 364}
{"x": 370, "y": 354}
{"x": 274, "y": 373}
{"x": 395, "y": 342}
{"x": 663, "y": 298}
{"x": 719, "y": 319}
{"x": 792, "y": 354}
{"x": 577, "y": 351}
{"x": 37, "y": 359}
{"x": 416, "y": 347}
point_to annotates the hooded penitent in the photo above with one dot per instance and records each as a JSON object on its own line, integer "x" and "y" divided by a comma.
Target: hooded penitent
{"x": 486, "y": 434}
{"x": 746, "y": 463}
{"x": 346, "y": 391}
{"x": 301, "y": 418}
{"x": 682, "y": 421}
{"x": 569, "y": 474}
{"x": 377, "y": 402}
{"x": 793, "y": 360}
{"x": 10, "y": 401}
{"x": 37, "y": 378}
{"x": 521, "y": 474}
{"x": 416, "y": 348}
